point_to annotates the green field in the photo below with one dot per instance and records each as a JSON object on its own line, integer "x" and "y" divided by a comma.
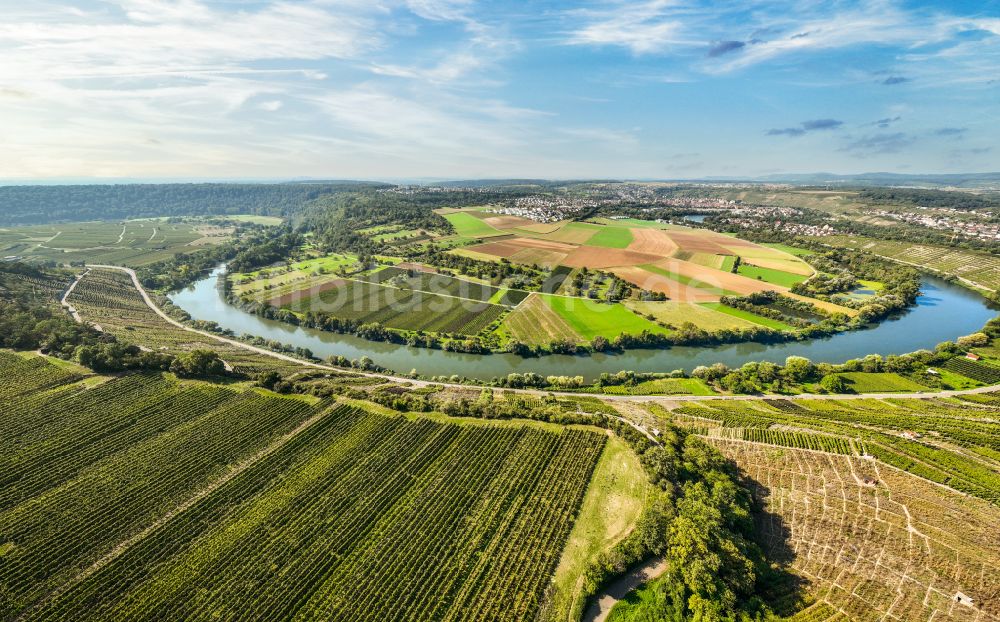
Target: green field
{"x": 791, "y": 250}
{"x": 614, "y": 501}
{"x": 267, "y": 221}
{"x": 591, "y": 319}
{"x": 467, "y": 225}
{"x": 746, "y": 315}
{"x": 770, "y": 275}
{"x": 677, "y": 313}
{"x": 611, "y": 237}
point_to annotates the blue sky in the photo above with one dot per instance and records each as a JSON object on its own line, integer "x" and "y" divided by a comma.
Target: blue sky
{"x": 460, "y": 88}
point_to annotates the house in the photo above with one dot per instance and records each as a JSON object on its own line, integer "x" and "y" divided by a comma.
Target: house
{"x": 933, "y": 372}
{"x": 972, "y": 357}
{"x": 962, "y": 599}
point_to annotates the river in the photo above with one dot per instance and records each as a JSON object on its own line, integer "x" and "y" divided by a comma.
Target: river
{"x": 943, "y": 312}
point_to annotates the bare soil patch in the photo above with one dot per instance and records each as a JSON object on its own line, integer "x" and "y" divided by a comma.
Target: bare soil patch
{"x": 419, "y": 267}
{"x": 653, "y": 242}
{"x": 507, "y": 222}
{"x": 546, "y": 244}
{"x": 594, "y": 257}
{"x": 539, "y": 256}
{"x": 699, "y": 242}
{"x": 658, "y": 283}
{"x": 497, "y": 249}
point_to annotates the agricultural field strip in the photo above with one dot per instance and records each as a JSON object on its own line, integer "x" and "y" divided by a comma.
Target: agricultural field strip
{"x": 418, "y": 383}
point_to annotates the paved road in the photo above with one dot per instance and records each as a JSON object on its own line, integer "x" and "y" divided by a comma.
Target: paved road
{"x": 609, "y": 398}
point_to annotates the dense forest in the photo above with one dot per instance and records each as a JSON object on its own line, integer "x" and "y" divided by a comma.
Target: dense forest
{"x": 336, "y": 219}
{"x": 30, "y": 205}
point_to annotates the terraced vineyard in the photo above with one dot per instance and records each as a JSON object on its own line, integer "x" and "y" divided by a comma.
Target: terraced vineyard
{"x": 946, "y": 441}
{"x": 980, "y": 268}
{"x": 146, "y": 498}
{"x": 871, "y": 542}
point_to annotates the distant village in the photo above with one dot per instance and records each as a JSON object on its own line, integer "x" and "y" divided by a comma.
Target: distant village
{"x": 959, "y": 222}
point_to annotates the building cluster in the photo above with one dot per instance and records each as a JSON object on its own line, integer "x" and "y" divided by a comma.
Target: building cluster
{"x": 417, "y": 189}
{"x": 959, "y": 222}
{"x": 705, "y": 204}
{"x": 776, "y": 219}
{"x": 542, "y": 209}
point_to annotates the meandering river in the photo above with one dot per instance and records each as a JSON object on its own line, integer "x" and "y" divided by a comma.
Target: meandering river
{"x": 944, "y": 311}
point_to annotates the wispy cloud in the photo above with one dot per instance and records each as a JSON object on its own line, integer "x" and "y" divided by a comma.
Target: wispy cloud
{"x": 740, "y": 35}
{"x": 806, "y": 126}
{"x": 641, "y": 27}
{"x": 878, "y": 144}
{"x": 725, "y": 47}
{"x": 886, "y": 122}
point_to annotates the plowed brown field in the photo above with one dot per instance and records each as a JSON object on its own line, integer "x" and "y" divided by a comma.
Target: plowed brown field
{"x": 699, "y": 242}
{"x": 593, "y": 257}
{"x": 717, "y": 278}
{"x": 507, "y": 222}
{"x": 657, "y": 283}
{"x": 653, "y": 242}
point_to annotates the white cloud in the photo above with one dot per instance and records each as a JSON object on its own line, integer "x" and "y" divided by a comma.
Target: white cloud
{"x": 643, "y": 28}
{"x": 273, "y": 105}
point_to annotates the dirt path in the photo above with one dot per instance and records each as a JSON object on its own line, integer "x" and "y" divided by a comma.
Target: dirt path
{"x": 609, "y": 398}
{"x": 64, "y": 301}
{"x": 602, "y": 604}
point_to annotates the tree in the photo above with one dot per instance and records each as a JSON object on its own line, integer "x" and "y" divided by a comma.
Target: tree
{"x": 799, "y": 369}
{"x": 975, "y": 340}
{"x": 198, "y": 363}
{"x": 833, "y": 383}
{"x": 268, "y": 379}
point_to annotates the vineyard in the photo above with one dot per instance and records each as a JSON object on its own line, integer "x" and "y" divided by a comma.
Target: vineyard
{"x": 132, "y": 243}
{"x": 948, "y": 441}
{"x": 982, "y": 372}
{"x": 873, "y": 543}
{"x": 108, "y": 299}
{"x": 397, "y": 307}
{"x": 141, "y": 497}
{"x": 980, "y": 268}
